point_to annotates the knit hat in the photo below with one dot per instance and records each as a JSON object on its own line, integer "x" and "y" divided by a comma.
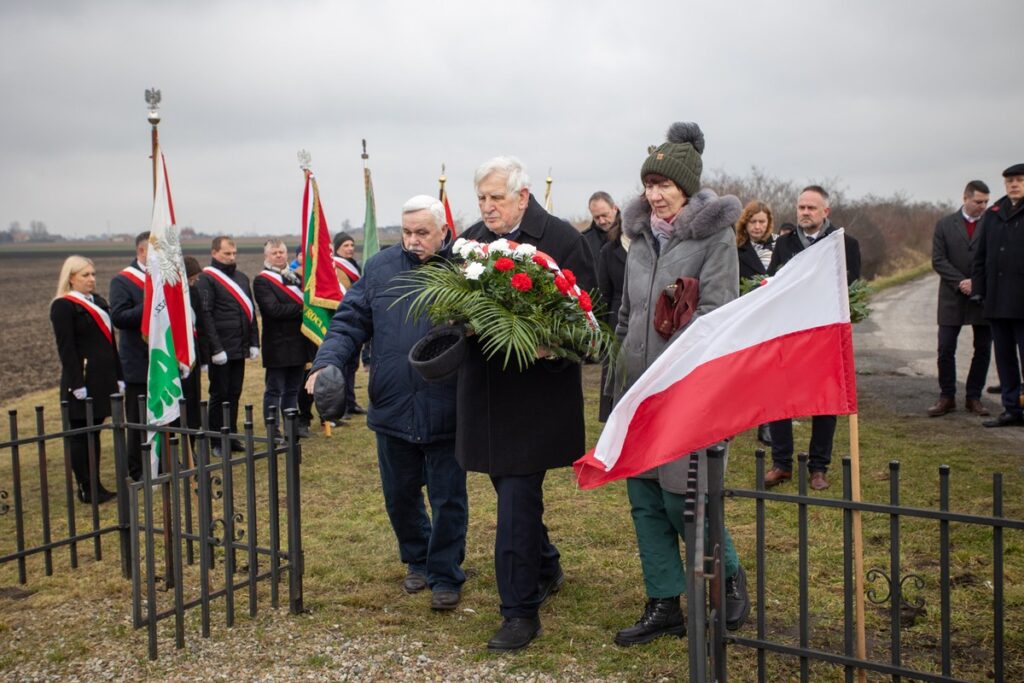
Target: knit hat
{"x": 340, "y": 239}
{"x": 679, "y": 158}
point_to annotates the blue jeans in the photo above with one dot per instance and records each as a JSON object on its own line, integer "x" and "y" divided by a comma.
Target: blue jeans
{"x": 434, "y": 546}
{"x": 281, "y": 391}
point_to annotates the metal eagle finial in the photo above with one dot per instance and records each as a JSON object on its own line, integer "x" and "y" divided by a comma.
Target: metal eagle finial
{"x": 304, "y": 159}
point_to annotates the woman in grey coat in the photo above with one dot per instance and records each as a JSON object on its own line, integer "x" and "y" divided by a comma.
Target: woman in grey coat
{"x": 676, "y": 230}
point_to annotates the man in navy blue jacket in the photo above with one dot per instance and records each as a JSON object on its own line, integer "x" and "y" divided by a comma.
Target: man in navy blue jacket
{"x": 127, "y": 294}
{"x": 414, "y": 421}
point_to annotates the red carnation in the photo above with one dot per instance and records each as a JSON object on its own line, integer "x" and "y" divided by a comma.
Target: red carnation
{"x": 569, "y": 276}
{"x": 522, "y": 282}
{"x": 540, "y": 260}
{"x": 504, "y": 264}
{"x": 585, "y": 303}
{"x": 562, "y": 284}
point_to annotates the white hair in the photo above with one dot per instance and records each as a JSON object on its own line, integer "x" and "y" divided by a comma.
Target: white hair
{"x": 424, "y": 202}
{"x": 513, "y": 170}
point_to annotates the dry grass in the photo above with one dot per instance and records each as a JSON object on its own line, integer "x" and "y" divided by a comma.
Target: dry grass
{"x": 352, "y": 575}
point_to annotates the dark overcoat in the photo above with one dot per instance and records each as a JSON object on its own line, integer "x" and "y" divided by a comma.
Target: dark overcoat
{"x": 953, "y": 259}
{"x": 284, "y": 345}
{"x": 611, "y": 273}
{"x": 515, "y": 422}
{"x": 126, "y": 300}
{"x": 87, "y": 358}
{"x": 225, "y": 324}
{"x": 998, "y": 275}
{"x": 788, "y": 246}
{"x": 402, "y": 403}
{"x": 750, "y": 262}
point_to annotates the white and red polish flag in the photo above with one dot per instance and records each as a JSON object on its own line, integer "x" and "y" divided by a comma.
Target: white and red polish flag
{"x": 167, "y": 320}
{"x": 781, "y": 351}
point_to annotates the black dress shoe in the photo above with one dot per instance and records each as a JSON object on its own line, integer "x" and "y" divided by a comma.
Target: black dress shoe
{"x": 764, "y": 435}
{"x": 355, "y": 409}
{"x": 661, "y": 617}
{"x": 737, "y": 602}
{"x": 102, "y": 495}
{"x": 515, "y": 634}
{"x": 1005, "y": 420}
{"x": 444, "y": 601}
{"x": 236, "y": 446}
{"x": 549, "y": 587}
{"x": 414, "y": 582}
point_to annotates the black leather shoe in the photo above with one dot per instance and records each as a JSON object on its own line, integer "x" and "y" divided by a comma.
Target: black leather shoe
{"x": 764, "y": 435}
{"x": 515, "y": 634}
{"x": 661, "y": 617}
{"x": 414, "y": 582}
{"x": 236, "y": 446}
{"x": 444, "y": 601}
{"x": 737, "y": 602}
{"x": 551, "y": 586}
{"x": 302, "y": 431}
{"x": 1005, "y": 420}
{"x": 102, "y": 495}
{"x": 355, "y": 409}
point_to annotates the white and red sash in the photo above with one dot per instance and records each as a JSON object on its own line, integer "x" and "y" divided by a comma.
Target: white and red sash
{"x": 233, "y": 289}
{"x": 347, "y": 267}
{"x": 97, "y": 313}
{"x": 136, "y": 276}
{"x": 291, "y": 290}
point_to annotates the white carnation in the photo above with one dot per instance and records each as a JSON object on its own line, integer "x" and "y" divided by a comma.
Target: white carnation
{"x": 467, "y": 248}
{"x": 500, "y": 247}
{"x": 474, "y": 270}
{"x": 524, "y": 252}
{"x": 457, "y": 247}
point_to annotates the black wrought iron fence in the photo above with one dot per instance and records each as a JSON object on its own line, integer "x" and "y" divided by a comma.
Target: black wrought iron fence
{"x": 710, "y": 644}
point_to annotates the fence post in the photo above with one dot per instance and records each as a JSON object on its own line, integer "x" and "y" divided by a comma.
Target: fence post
{"x": 121, "y": 473}
{"x": 293, "y": 458}
{"x": 716, "y": 541}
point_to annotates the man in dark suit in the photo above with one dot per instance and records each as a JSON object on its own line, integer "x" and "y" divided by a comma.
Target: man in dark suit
{"x": 278, "y": 292}
{"x": 812, "y": 212}
{"x": 230, "y": 331}
{"x": 127, "y": 294}
{"x": 514, "y": 425}
{"x": 606, "y": 216}
{"x": 998, "y": 279}
{"x": 953, "y": 248}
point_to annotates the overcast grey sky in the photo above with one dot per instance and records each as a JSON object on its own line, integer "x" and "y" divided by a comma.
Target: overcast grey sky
{"x": 886, "y": 95}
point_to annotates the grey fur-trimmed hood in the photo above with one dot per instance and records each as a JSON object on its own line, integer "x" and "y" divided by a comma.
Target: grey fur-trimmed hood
{"x": 705, "y": 214}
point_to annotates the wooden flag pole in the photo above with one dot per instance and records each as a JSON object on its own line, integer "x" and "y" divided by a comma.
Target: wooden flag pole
{"x": 547, "y": 193}
{"x": 858, "y": 546}
{"x": 441, "y": 180}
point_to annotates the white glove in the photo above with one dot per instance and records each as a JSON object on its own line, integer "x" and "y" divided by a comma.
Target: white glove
{"x": 80, "y": 393}
{"x": 120, "y": 387}
{"x": 254, "y": 352}
{"x": 220, "y": 358}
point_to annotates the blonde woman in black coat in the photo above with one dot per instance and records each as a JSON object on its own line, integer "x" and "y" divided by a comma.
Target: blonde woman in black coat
{"x": 90, "y": 367}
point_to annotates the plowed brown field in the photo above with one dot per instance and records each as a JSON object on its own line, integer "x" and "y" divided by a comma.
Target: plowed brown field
{"x": 28, "y": 354}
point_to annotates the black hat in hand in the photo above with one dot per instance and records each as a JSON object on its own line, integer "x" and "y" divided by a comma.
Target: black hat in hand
{"x": 329, "y": 393}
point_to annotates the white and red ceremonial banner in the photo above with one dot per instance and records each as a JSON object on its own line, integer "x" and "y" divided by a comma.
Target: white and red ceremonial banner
{"x": 781, "y": 351}
{"x": 166, "y": 315}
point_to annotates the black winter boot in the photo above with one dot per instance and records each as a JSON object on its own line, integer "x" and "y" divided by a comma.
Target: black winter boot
{"x": 661, "y": 617}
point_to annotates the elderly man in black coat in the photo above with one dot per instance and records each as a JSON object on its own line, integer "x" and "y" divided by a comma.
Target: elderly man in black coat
{"x": 954, "y": 245}
{"x": 278, "y": 293}
{"x": 516, "y": 425}
{"x": 998, "y": 279}
{"x": 127, "y": 296}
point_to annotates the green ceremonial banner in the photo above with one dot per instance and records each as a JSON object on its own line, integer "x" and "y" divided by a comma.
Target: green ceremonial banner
{"x": 321, "y": 293}
{"x": 370, "y": 244}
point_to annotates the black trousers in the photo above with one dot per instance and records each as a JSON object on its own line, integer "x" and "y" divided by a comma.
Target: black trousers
{"x": 225, "y": 387}
{"x": 1008, "y": 343}
{"x": 823, "y": 429}
{"x": 78, "y": 448}
{"x": 523, "y": 554}
{"x": 132, "y": 392}
{"x": 979, "y": 361}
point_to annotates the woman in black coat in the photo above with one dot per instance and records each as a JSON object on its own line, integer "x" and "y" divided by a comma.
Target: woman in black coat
{"x": 611, "y": 273}
{"x": 755, "y": 239}
{"x": 90, "y": 367}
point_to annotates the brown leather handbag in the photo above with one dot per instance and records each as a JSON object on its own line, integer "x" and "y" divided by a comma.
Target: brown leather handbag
{"x": 675, "y": 306}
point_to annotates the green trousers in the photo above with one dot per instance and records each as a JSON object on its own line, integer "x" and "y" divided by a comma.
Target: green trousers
{"x": 658, "y": 520}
